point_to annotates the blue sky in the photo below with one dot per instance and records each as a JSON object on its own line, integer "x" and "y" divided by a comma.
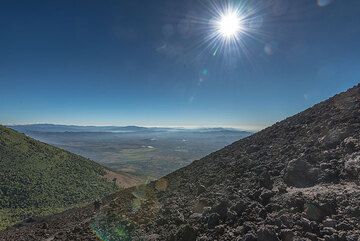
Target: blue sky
{"x": 135, "y": 62}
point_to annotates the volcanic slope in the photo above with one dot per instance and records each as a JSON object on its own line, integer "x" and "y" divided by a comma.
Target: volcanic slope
{"x": 38, "y": 179}
{"x": 296, "y": 180}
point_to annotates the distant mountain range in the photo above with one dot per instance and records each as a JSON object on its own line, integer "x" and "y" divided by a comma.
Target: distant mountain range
{"x": 125, "y": 129}
{"x": 74, "y": 128}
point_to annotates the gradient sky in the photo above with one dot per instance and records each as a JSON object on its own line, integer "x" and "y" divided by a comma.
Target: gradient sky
{"x": 137, "y": 62}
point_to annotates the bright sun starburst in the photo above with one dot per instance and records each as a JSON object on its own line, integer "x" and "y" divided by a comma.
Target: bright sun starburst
{"x": 229, "y": 25}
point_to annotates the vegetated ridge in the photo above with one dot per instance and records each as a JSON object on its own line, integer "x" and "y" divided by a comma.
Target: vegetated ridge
{"x": 296, "y": 180}
{"x": 38, "y": 179}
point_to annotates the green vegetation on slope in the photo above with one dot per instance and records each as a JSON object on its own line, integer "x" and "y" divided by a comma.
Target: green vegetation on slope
{"x": 39, "y": 179}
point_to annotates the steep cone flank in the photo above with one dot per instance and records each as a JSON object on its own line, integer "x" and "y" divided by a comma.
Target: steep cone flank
{"x": 296, "y": 180}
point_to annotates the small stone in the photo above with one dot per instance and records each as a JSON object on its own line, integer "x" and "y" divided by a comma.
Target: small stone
{"x": 196, "y": 216}
{"x": 220, "y": 229}
{"x": 239, "y": 207}
{"x": 76, "y": 230}
{"x": 327, "y": 231}
{"x": 311, "y": 236}
{"x": 314, "y": 212}
{"x": 352, "y": 167}
{"x": 343, "y": 226}
{"x": 262, "y": 213}
{"x": 247, "y": 227}
{"x": 221, "y": 209}
{"x": 282, "y": 188}
{"x": 331, "y": 223}
{"x": 45, "y": 226}
{"x": 352, "y": 237}
{"x": 305, "y": 224}
{"x": 265, "y": 196}
{"x": 201, "y": 189}
{"x": 266, "y": 234}
{"x": 213, "y": 220}
{"x": 186, "y": 233}
{"x": 265, "y": 180}
{"x": 231, "y": 216}
{"x": 179, "y": 219}
{"x": 287, "y": 235}
{"x": 249, "y": 237}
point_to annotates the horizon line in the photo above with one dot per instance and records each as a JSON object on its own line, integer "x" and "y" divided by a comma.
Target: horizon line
{"x": 236, "y": 127}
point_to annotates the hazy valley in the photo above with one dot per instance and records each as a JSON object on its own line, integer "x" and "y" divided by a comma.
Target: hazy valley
{"x": 144, "y": 152}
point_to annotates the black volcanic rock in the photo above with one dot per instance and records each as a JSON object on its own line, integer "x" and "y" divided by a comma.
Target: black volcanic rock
{"x": 296, "y": 180}
{"x": 299, "y": 173}
{"x": 186, "y": 233}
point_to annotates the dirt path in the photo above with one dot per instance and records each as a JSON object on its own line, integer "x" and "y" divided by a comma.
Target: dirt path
{"x": 123, "y": 180}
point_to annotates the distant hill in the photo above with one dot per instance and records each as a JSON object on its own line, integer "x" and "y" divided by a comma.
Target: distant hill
{"x": 37, "y": 179}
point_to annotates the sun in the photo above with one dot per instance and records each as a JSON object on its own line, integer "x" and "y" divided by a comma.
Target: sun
{"x": 229, "y": 25}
